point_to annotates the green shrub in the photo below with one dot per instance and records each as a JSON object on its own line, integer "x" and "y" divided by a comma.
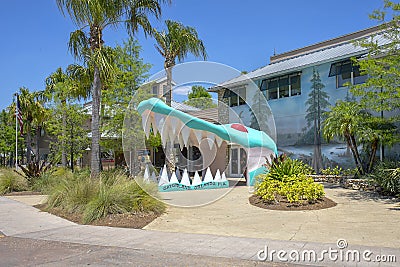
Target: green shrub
{"x": 387, "y": 176}
{"x": 287, "y": 179}
{"x": 338, "y": 171}
{"x": 350, "y": 172}
{"x": 285, "y": 166}
{"x": 295, "y": 188}
{"x": 111, "y": 193}
{"x": 11, "y": 181}
{"x": 332, "y": 171}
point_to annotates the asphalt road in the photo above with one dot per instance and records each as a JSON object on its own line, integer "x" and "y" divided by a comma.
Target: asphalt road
{"x": 30, "y": 252}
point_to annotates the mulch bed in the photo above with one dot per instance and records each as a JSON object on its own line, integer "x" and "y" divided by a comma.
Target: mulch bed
{"x": 283, "y": 204}
{"x": 128, "y": 220}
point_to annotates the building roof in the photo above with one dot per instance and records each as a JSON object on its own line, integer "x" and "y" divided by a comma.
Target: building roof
{"x": 158, "y": 80}
{"x": 210, "y": 115}
{"x": 332, "y": 50}
{"x": 183, "y": 107}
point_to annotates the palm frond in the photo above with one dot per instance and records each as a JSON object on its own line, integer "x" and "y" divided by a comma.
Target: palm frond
{"x": 80, "y": 80}
{"x": 181, "y": 40}
{"x": 103, "y": 59}
{"x": 78, "y": 42}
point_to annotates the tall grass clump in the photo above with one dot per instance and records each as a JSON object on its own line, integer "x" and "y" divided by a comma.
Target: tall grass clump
{"x": 48, "y": 180}
{"x": 10, "y": 181}
{"x": 72, "y": 192}
{"x": 111, "y": 193}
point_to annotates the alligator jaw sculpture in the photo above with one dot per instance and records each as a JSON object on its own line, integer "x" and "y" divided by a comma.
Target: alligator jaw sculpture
{"x": 178, "y": 127}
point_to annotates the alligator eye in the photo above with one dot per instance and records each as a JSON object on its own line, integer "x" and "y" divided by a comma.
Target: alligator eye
{"x": 239, "y": 127}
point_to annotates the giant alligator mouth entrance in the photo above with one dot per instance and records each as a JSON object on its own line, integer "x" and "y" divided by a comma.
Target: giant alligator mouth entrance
{"x": 183, "y": 130}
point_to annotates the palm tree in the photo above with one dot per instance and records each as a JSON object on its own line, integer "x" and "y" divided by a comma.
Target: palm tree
{"x": 176, "y": 43}
{"x": 345, "y": 120}
{"x": 96, "y": 15}
{"x": 31, "y": 109}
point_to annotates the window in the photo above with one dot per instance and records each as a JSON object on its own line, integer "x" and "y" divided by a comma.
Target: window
{"x": 357, "y": 77}
{"x": 284, "y": 87}
{"x": 346, "y": 72}
{"x": 242, "y": 96}
{"x": 281, "y": 87}
{"x": 295, "y": 85}
{"x": 272, "y": 89}
{"x": 235, "y": 99}
{"x": 155, "y": 90}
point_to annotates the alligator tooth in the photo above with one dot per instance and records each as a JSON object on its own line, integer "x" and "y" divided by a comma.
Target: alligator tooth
{"x": 178, "y": 126}
{"x": 181, "y": 142}
{"x": 163, "y": 126}
{"x": 159, "y": 120}
{"x": 173, "y": 121}
{"x": 148, "y": 127}
{"x": 218, "y": 140}
{"x": 171, "y": 135}
{"x": 153, "y": 177}
{"x": 146, "y": 123}
{"x": 185, "y": 178}
{"x": 198, "y": 135}
{"x": 144, "y": 119}
{"x": 164, "y": 177}
{"x": 196, "y": 179}
{"x": 223, "y": 177}
{"x": 146, "y": 175}
{"x": 217, "y": 176}
{"x": 208, "y": 177}
{"x": 210, "y": 140}
{"x": 154, "y": 126}
{"x": 185, "y": 135}
{"x": 164, "y": 139}
{"x": 174, "y": 179}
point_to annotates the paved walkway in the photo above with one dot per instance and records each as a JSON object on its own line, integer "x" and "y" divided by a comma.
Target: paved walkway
{"x": 23, "y": 221}
{"x": 361, "y": 218}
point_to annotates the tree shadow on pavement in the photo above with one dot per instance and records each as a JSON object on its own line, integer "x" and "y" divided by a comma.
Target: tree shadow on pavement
{"x": 369, "y": 196}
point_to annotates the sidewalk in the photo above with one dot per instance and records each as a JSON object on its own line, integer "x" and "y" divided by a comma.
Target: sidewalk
{"x": 362, "y": 218}
{"x": 23, "y": 221}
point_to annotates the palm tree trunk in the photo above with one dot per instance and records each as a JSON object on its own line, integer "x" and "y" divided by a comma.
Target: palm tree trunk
{"x": 169, "y": 150}
{"x": 168, "y": 95}
{"x": 374, "y": 148}
{"x": 354, "y": 150}
{"x": 348, "y": 141}
{"x": 354, "y": 142}
{"x": 96, "y": 96}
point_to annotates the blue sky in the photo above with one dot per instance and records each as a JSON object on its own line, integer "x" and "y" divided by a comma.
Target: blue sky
{"x": 241, "y": 34}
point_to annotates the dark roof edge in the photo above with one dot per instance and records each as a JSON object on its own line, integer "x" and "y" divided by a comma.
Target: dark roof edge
{"x": 317, "y": 46}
